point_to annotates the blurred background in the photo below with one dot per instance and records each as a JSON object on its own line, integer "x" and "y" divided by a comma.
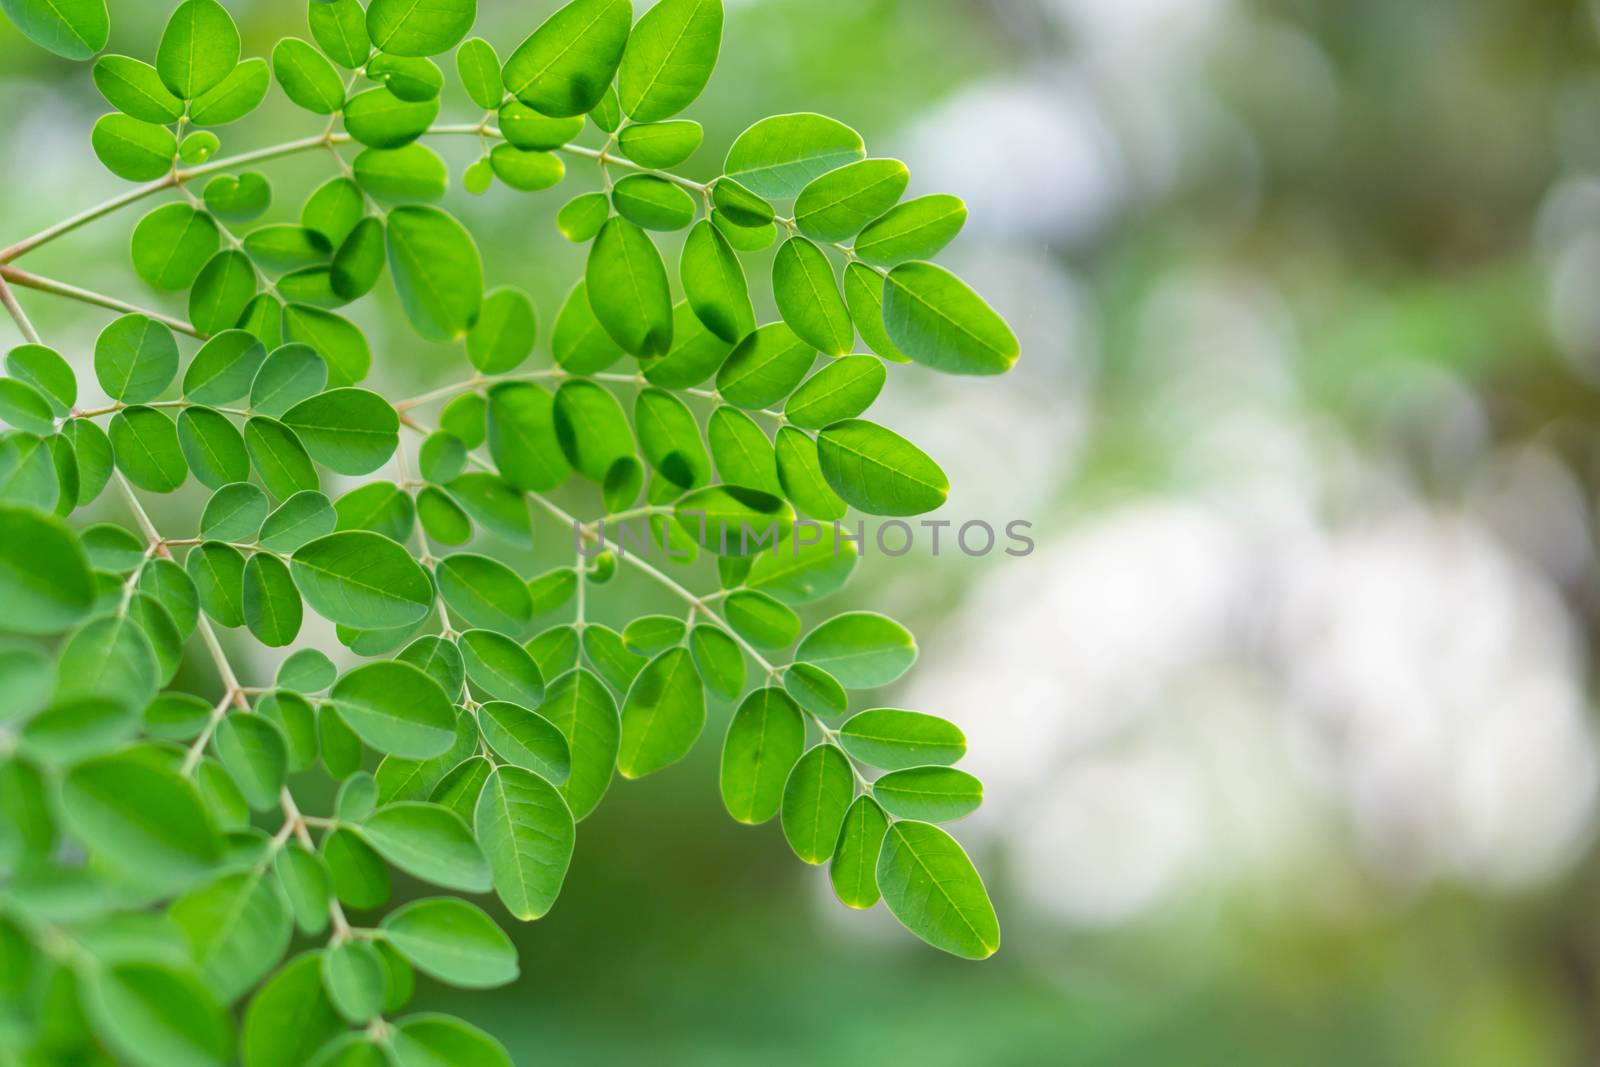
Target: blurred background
{"x": 1287, "y": 724}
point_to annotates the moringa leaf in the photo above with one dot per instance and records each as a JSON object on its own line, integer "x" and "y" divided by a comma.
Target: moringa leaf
{"x": 930, "y": 885}
{"x": 566, "y": 65}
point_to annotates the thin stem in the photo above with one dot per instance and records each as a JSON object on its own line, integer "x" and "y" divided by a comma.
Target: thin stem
{"x": 304, "y": 144}
{"x": 139, "y": 192}
{"x": 9, "y": 299}
{"x": 88, "y": 296}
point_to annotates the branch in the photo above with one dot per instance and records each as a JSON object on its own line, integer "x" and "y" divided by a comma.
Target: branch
{"x": 28, "y": 280}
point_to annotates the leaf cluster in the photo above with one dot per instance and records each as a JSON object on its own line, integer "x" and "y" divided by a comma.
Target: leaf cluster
{"x": 156, "y": 867}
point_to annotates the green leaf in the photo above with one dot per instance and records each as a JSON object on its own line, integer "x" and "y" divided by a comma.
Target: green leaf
{"x": 583, "y": 710}
{"x": 409, "y": 779}
{"x": 743, "y": 454}
{"x": 131, "y": 810}
{"x": 732, "y": 520}
{"x": 380, "y": 119}
{"x": 817, "y": 691}
{"x": 895, "y": 740}
{"x": 212, "y": 446}
{"x": 485, "y": 592}
{"x": 131, "y": 149}
{"x": 440, "y": 659}
{"x": 134, "y": 88}
{"x": 340, "y": 344}
{"x": 429, "y": 1040}
{"x": 590, "y": 427}
{"x": 581, "y": 217}
{"x": 294, "y": 716}
{"x": 238, "y": 198}
{"x": 878, "y": 471}
{"x": 933, "y": 317}
{"x": 528, "y": 171}
{"x": 479, "y": 70}
{"x": 237, "y": 928}
{"x": 816, "y": 795}
{"x": 443, "y": 520}
{"x": 628, "y": 290}
{"x": 765, "y": 739}
{"x": 304, "y": 878}
{"x": 341, "y": 748}
{"x": 580, "y": 344}
{"x": 452, "y": 941}
{"x": 221, "y": 293}
{"x": 714, "y": 283}
{"x": 353, "y": 974}
{"x": 340, "y": 29}
{"x": 653, "y": 202}
{"x": 854, "y": 869}
{"x": 566, "y": 65}
{"x": 395, "y": 708}
{"x": 838, "y": 204}
{"x": 660, "y": 144}
{"x": 843, "y": 389}
{"x": 73, "y": 29}
{"x": 135, "y": 358}
{"x": 505, "y": 332}
{"x": 808, "y": 297}
{"x": 493, "y": 503}
{"x": 381, "y": 507}
{"x": 351, "y": 431}
{"x": 72, "y": 730}
{"x": 411, "y": 173}
{"x": 145, "y": 443}
{"x": 362, "y": 579}
{"x": 526, "y": 739}
{"x": 360, "y": 877}
{"x": 302, "y": 518}
{"x": 931, "y": 794}
{"x": 862, "y": 649}
{"x": 308, "y": 79}
{"x": 917, "y": 229}
{"x": 253, "y": 752}
{"x": 199, "y": 47}
{"x": 739, "y": 205}
{"x": 765, "y": 367}
{"x": 45, "y": 370}
{"x": 527, "y": 832}
{"x": 27, "y": 471}
{"x": 356, "y": 265}
{"x": 408, "y": 77}
{"x": 669, "y": 437}
{"x": 170, "y": 586}
{"x": 217, "y": 571}
{"x": 555, "y": 650}
{"x": 500, "y": 667}
{"x": 801, "y": 476}
{"x": 522, "y": 436}
{"x": 334, "y": 208}
{"x": 436, "y": 271}
{"x": 156, "y": 1015}
{"x": 271, "y": 602}
{"x": 291, "y": 373}
{"x": 306, "y": 670}
{"x": 171, "y": 244}
{"x": 224, "y": 367}
{"x": 176, "y": 716}
{"x": 25, "y": 407}
{"x": 781, "y": 155}
{"x": 719, "y": 660}
{"x": 92, "y": 448}
{"x": 458, "y": 790}
{"x": 231, "y": 99}
{"x": 761, "y": 620}
{"x": 669, "y": 58}
{"x": 290, "y": 1017}
{"x": 531, "y": 131}
{"x": 428, "y": 842}
{"x": 279, "y": 457}
{"x": 663, "y": 714}
{"x": 932, "y": 888}
{"x": 409, "y": 28}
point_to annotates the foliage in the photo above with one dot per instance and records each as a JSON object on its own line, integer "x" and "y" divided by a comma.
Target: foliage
{"x": 155, "y": 861}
